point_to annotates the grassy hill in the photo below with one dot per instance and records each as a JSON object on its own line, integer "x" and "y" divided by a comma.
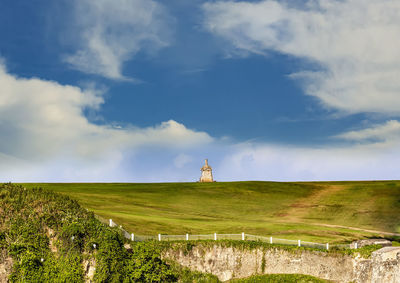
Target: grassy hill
{"x": 287, "y": 210}
{"x": 48, "y": 237}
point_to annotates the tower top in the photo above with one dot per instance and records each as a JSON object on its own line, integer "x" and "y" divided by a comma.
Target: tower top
{"x": 206, "y": 166}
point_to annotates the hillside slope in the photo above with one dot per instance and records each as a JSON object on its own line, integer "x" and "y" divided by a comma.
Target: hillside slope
{"x": 288, "y": 210}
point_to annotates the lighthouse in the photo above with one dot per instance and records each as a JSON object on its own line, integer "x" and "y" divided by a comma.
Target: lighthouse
{"x": 206, "y": 173}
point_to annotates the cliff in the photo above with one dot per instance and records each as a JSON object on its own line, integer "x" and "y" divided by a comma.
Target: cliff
{"x": 383, "y": 266}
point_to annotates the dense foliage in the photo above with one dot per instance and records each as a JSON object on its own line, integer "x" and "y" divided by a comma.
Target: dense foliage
{"x": 50, "y": 238}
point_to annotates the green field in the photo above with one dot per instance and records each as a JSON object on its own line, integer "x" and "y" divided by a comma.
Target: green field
{"x": 285, "y": 210}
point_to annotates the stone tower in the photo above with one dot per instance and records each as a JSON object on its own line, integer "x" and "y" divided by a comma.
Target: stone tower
{"x": 206, "y": 173}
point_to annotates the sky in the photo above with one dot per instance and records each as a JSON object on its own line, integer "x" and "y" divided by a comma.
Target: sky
{"x": 145, "y": 90}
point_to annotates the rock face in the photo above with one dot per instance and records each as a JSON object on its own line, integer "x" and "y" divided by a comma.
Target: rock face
{"x": 386, "y": 265}
{"x": 6, "y": 264}
{"x": 228, "y": 263}
{"x": 206, "y": 173}
{"x": 89, "y": 266}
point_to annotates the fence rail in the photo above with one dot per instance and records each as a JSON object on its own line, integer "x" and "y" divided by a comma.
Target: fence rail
{"x": 242, "y": 236}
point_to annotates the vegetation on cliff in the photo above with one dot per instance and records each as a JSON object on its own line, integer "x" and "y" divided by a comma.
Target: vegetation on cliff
{"x": 51, "y": 238}
{"x": 187, "y": 246}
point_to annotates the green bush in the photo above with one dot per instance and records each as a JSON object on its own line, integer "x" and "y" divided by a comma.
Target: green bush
{"x": 145, "y": 265}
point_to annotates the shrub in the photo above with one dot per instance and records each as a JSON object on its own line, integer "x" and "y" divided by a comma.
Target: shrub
{"x": 145, "y": 265}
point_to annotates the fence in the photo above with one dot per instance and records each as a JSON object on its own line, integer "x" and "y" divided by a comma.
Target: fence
{"x": 242, "y": 236}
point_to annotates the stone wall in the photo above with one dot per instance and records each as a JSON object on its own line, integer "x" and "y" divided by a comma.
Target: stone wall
{"x": 228, "y": 263}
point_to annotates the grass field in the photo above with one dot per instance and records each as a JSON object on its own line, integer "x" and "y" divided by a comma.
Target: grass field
{"x": 286, "y": 210}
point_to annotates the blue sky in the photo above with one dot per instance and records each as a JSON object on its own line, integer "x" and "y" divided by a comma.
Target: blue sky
{"x": 144, "y": 90}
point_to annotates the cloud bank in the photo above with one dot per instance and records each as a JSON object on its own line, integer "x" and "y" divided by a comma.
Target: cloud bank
{"x": 44, "y": 129}
{"x": 353, "y": 43}
{"x": 111, "y": 32}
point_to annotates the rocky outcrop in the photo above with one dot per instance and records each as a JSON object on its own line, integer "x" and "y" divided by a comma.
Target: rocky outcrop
{"x": 89, "y": 267}
{"x": 52, "y": 239}
{"x": 385, "y": 265}
{"x": 5, "y": 267}
{"x": 228, "y": 263}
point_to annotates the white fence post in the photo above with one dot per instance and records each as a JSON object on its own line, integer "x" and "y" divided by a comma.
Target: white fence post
{"x": 356, "y": 245}
{"x": 111, "y": 223}
{"x": 243, "y": 238}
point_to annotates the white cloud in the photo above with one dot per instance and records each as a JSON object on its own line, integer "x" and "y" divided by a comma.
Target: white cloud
{"x": 354, "y": 42}
{"x": 44, "y": 131}
{"x": 387, "y": 132}
{"x": 111, "y": 32}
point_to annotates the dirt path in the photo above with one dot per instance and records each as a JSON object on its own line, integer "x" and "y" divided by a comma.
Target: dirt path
{"x": 301, "y": 208}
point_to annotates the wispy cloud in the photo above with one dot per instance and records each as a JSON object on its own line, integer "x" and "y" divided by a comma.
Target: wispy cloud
{"x": 112, "y": 32}
{"x": 387, "y": 132}
{"x": 354, "y": 43}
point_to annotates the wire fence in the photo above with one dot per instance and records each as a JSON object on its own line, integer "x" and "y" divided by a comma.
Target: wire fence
{"x": 215, "y": 236}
